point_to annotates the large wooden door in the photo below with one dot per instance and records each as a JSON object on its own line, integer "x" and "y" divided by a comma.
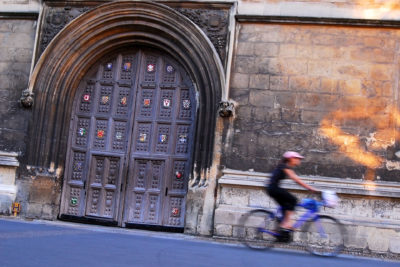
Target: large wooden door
{"x": 130, "y": 141}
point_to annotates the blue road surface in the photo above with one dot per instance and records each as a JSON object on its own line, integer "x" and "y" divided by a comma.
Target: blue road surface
{"x": 65, "y": 244}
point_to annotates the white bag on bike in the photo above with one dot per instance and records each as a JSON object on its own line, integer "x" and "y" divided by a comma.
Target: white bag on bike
{"x": 330, "y": 198}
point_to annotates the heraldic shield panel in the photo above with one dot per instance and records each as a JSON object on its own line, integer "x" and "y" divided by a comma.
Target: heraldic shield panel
{"x": 131, "y": 135}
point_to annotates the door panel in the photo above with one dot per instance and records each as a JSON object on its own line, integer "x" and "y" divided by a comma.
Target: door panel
{"x": 132, "y": 124}
{"x": 103, "y": 193}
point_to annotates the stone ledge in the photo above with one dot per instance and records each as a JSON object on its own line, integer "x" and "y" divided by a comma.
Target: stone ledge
{"x": 8, "y": 159}
{"x": 339, "y": 185}
{"x": 8, "y": 189}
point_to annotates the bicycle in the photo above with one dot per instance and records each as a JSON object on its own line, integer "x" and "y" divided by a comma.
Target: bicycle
{"x": 322, "y": 235}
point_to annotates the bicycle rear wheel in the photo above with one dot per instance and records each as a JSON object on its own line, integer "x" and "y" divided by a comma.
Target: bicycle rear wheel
{"x": 324, "y": 236}
{"x": 258, "y": 229}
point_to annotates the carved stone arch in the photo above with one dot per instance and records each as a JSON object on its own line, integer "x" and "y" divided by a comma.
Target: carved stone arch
{"x": 98, "y": 32}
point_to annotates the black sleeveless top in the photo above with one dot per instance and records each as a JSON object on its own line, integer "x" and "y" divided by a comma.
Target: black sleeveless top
{"x": 278, "y": 174}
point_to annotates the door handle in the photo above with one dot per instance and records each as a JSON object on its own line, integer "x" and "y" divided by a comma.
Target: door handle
{"x": 166, "y": 191}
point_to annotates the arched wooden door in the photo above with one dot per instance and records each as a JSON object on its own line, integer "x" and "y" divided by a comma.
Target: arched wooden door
{"x": 130, "y": 142}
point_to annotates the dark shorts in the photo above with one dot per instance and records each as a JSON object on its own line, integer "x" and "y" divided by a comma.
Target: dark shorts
{"x": 286, "y": 200}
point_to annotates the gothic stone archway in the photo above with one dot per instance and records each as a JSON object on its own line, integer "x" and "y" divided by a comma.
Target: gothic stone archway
{"x": 89, "y": 38}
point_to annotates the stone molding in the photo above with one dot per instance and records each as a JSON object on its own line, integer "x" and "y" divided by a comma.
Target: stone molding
{"x": 339, "y": 185}
{"x": 32, "y": 7}
{"x": 320, "y": 9}
{"x": 9, "y": 159}
{"x": 318, "y": 21}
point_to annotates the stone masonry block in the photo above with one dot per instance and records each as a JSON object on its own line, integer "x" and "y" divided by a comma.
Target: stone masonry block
{"x": 394, "y": 244}
{"x": 261, "y": 98}
{"x": 378, "y": 239}
{"x": 302, "y": 84}
{"x": 382, "y": 72}
{"x": 245, "y": 49}
{"x": 245, "y": 64}
{"x": 352, "y": 70}
{"x": 240, "y": 80}
{"x": 266, "y": 49}
{"x": 326, "y": 52}
{"x": 356, "y": 237}
{"x": 34, "y": 210}
{"x": 48, "y": 212}
{"x": 259, "y": 81}
{"x": 259, "y": 198}
{"x": 350, "y": 87}
{"x": 319, "y": 68}
{"x": 271, "y": 66}
{"x": 286, "y": 100}
{"x": 237, "y": 196}
{"x": 287, "y": 50}
{"x": 293, "y": 66}
{"x": 238, "y": 231}
{"x": 241, "y": 96}
{"x": 224, "y": 215}
{"x": 279, "y": 83}
{"x": 43, "y": 190}
{"x": 223, "y": 230}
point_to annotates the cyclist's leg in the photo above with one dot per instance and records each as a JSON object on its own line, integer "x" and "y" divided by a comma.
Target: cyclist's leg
{"x": 288, "y": 203}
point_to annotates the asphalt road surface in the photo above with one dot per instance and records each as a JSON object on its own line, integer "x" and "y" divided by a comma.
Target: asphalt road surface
{"x": 45, "y": 244}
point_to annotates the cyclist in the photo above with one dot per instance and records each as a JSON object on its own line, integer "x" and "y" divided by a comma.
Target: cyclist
{"x": 286, "y": 200}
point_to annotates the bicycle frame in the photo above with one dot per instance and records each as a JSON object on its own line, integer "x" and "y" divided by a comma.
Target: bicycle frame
{"x": 312, "y": 207}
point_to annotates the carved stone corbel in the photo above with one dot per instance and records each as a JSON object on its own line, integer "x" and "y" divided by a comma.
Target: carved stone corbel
{"x": 27, "y": 98}
{"x": 226, "y": 109}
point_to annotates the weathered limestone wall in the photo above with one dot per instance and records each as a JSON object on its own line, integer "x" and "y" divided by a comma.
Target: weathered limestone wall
{"x": 17, "y": 41}
{"x": 17, "y": 38}
{"x": 370, "y": 214}
{"x": 329, "y": 92}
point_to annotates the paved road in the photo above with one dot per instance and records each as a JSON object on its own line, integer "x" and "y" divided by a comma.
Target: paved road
{"x": 63, "y": 244}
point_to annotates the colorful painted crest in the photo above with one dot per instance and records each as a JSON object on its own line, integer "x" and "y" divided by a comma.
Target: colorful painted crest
{"x": 151, "y": 67}
{"x": 123, "y": 101}
{"x": 78, "y": 166}
{"x": 105, "y": 99}
{"x": 146, "y": 102}
{"x": 82, "y": 132}
{"x": 183, "y": 138}
{"x": 142, "y": 137}
{"x": 166, "y": 103}
{"x": 169, "y": 68}
{"x": 186, "y": 104}
{"x": 175, "y": 212}
{"x": 109, "y": 66}
{"x": 178, "y": 175}
{"x": 118, "y": 135}
{"x": 74, "y": 201}
{"x": 162, "y": 138}
{"x": 100, "y": 133}
{"x": 127, "y": 66}
{"x": 86, "y": 97}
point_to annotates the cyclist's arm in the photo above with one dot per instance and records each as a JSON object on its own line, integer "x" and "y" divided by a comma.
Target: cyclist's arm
{"x": 292, "y": 175}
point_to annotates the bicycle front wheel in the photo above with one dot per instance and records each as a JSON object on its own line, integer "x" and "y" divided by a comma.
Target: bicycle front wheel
{"x": 258, "y": 229}
{"x": 324, "y": 236}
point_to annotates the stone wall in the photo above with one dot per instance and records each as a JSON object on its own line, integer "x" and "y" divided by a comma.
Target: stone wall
{"x": 329, "y": 92}
{"x": 17, "y": 39}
